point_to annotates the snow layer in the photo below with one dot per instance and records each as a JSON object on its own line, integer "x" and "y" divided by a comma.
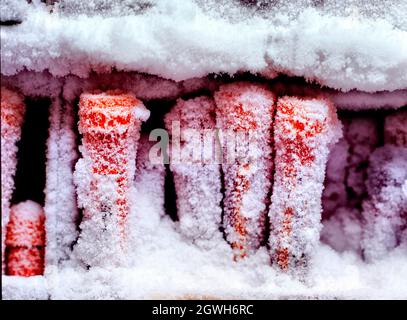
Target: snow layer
{"x": 22, "y": 288}
{"x": 167, "y": 267}
{"x": 348, "y": 46}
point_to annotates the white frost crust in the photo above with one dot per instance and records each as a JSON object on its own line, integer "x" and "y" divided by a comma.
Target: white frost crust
{"x": 180, "y": 40}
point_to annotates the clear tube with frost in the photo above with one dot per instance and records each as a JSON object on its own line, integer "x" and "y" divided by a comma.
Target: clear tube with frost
{"x": 385, "y": 211}
{"x": 244, "y": 116}
{"x": 12, "y": 116}
{"x": 304, "y": 130}
{"x": 109, "y": 123}
{"x": 196, "y": 170}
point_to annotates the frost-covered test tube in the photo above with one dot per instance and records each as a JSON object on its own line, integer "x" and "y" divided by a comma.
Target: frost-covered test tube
{"x": 12, "y": 116}
{"x": 244, "y": 115}
{"x": 26, "y": 240}
{"x": 110, "y": 124}
{"x": 304, "y": 130}
{"x": 345, "y": 183}
{"x": 385, "y": 211}
{"x": 196, "y": 169}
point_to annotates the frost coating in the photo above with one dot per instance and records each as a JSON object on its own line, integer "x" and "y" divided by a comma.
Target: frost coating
{"x": 304, "y": 131}
{"x": 196, "y": 170}
{"x": 244, "y": 115}
{"x": 110, "y": 124}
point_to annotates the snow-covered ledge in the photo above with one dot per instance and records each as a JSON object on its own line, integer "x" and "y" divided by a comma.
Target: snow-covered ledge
{"x": 351, "y": 46}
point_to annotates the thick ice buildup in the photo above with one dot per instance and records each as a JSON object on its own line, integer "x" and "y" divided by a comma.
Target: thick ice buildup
{"x": 110, "y": 124}
{"x": 244, "y": 116}
{"x": 304, "y": 131}
{"x": 195, "y": 165}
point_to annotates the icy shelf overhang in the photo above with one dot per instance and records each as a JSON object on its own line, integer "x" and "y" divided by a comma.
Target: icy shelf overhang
{"x": 150, "y": 87}
{"x": 345, "y": 47}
